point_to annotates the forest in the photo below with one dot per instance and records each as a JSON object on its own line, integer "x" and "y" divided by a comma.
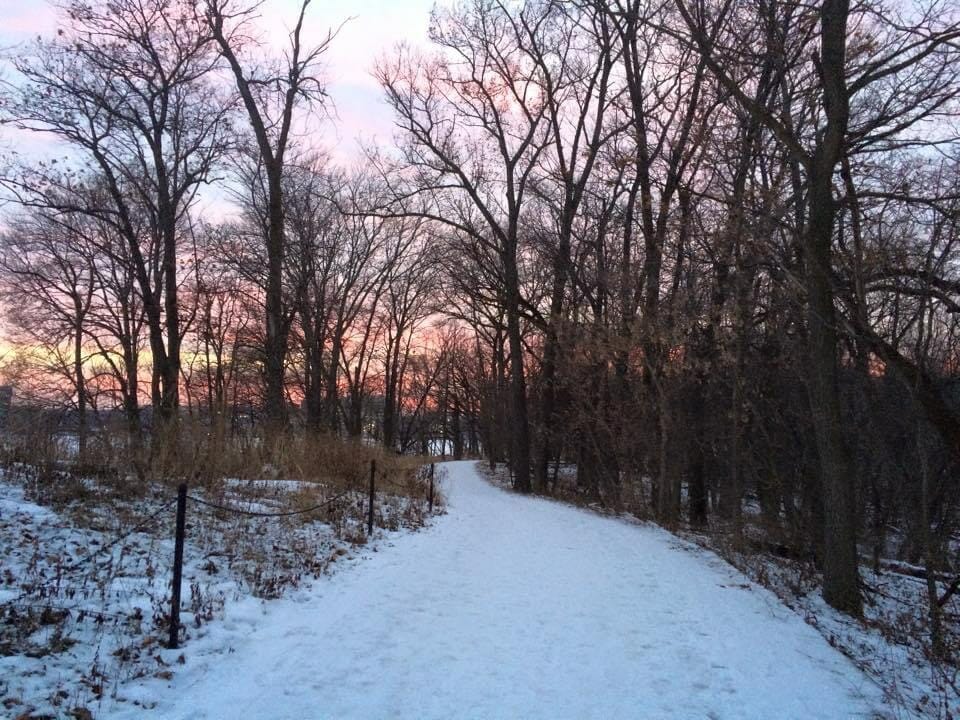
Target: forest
{"x": 696, "y": 260}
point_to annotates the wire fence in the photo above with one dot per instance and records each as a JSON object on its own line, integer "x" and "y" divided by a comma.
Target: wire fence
{"x": 183, "y": 498}
{"x": 91, "y": 567}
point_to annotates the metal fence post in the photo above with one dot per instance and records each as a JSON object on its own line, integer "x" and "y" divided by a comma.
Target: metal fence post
{"x": 178, "y": 567}
{"x": 373, "y": 490}
{"x": 431, "y": 488}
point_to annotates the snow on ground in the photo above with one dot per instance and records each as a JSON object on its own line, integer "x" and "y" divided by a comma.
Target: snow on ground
{"x": 890, "y": 642}
{"x": 85, "y": 588}
{"x": 514, "y": 607}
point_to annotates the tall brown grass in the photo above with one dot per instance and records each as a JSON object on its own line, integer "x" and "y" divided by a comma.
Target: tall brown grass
{"x": 194, "y": 453}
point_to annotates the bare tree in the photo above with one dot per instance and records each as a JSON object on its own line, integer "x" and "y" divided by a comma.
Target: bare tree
{"x": 473, "y": 124}
{"x": 49, "y": 286}
{"x": 271, "y": 97}
{"x": 127, "y": 84}
{"x": 839, "y": 78}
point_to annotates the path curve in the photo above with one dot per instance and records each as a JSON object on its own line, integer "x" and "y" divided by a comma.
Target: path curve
{"x": 513, "y": 607}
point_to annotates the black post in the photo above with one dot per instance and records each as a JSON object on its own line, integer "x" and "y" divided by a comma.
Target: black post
{"x": 373, "y": 490}
{"x": 178, "y": 566}
{"x": 431, "y": 488}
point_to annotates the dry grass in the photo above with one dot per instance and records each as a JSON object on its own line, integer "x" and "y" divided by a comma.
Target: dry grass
{"x": 198, "y": 456}
{"x": 113, "y": 483}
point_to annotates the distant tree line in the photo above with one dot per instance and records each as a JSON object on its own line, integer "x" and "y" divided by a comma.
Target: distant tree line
{"x": 118, "y": 290}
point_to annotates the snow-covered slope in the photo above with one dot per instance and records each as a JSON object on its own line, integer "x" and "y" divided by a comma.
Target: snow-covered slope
{"x": 512, "y": 607}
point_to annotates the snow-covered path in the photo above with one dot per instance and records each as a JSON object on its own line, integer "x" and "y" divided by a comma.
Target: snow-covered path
{"x": 512, "y": 607}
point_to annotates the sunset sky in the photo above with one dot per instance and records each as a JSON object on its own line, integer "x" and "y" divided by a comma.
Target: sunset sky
{"x": 373, "y": 27}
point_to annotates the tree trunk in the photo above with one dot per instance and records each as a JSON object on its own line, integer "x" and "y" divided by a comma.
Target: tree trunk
{"x": 80, "y": 382}
{"x": 841, "y": 581}
{"x": 456, "y": 431}
{"x": 548, "y": 368}
{"x": 332, "y": 398}
{"x": 520, "y": 427}
{"x": 275, "y": 345}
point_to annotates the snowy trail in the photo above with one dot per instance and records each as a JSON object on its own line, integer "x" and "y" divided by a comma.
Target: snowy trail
{"x": 512, "y": 607}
